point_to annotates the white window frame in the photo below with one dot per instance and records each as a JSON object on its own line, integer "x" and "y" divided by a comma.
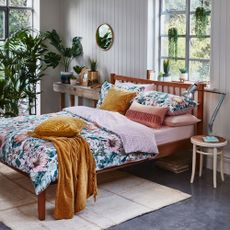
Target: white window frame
{"x": 6, "y": 8}
{"x": 188, "y": 15}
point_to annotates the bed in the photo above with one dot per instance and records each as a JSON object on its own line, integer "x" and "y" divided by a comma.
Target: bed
{"x": 167, "y": 141}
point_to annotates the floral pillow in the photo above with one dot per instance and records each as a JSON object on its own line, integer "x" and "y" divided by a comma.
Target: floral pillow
{"x": 176, "y": 105}
{"x": 134, "y": 87}
{"x": 106, "y": 86}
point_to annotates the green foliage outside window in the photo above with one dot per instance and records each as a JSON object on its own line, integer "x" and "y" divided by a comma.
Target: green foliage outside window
{"x": 173, "y": 14}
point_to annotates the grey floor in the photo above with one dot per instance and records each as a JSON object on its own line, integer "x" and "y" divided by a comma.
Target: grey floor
{"x": 208, "y": 208}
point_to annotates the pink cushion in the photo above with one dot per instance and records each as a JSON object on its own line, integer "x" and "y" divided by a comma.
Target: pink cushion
{"x": 181, "y": 120}
{"x": 152, "y": 116}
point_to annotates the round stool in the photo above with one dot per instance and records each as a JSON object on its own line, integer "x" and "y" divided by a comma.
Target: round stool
{"x": 199, "y": 146}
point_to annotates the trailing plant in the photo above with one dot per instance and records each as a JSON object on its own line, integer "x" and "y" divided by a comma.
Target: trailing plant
{"x": 23, "y": 60}
{"x": 93, "y": 65}
{"x": 201, "y": 21}
{"x": 65, "y": 54}
{"x": 166, "y": 68}
{"x": 172, "y": 42}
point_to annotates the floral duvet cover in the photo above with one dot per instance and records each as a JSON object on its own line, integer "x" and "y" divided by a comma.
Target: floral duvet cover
{"x": 38, "y": 157}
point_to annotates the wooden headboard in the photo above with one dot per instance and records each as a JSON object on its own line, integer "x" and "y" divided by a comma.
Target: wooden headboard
{"x": 176, "y": 88}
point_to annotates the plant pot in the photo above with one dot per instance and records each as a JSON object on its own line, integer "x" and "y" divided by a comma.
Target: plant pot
{"x": 93, "y": 77}
{"x": 166, "y": 78}
{"x": 73, "y": 81}
{"x": 183, "y": 77}
{"x": 65, "y": 77}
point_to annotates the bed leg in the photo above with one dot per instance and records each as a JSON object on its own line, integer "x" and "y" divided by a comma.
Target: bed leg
{"x": 42, "y": 205}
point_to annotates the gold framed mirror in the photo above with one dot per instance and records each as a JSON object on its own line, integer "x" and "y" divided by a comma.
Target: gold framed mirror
{"x": 104, "y": 36}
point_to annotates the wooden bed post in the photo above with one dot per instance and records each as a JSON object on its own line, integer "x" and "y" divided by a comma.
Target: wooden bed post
{"x": 42, "y": 205}
{"x": 200, "y": 110}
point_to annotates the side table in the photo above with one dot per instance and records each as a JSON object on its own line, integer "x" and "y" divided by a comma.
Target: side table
{"x": 91, "y": 93}
{"x": 201, "y": 147}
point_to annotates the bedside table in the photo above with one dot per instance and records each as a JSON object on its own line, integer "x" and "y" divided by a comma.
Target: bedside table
{"x": 201, "y": 147}
{"x": 91, "y": 93}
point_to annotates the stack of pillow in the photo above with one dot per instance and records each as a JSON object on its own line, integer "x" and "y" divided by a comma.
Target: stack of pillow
{"x": 140, "y": 103}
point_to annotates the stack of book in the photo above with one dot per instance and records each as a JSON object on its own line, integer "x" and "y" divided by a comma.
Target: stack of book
{"x": 176, "y": 163}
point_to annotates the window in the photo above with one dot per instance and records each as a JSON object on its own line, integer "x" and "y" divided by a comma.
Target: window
{"x": 15, "y": 14}
{"x": 193, "y": 53}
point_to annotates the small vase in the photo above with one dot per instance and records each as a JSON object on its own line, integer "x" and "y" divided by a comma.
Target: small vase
{"x": 183, "y": 77}
{"x": 167, "y": 78}
{"x": 73, "y": 81}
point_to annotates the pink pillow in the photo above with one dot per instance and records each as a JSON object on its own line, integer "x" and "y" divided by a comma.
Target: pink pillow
{"x": 181, "y": 120}
{"x": 152, "y": 116}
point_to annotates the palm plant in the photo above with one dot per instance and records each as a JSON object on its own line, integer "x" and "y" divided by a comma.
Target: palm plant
{"x": 23, "y": 59}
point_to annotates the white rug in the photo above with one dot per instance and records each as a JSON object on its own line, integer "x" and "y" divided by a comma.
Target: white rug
{"x": 121, "y": 197}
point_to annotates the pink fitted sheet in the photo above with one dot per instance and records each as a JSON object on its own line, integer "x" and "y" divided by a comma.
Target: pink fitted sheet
{"x": 167, "y": 134}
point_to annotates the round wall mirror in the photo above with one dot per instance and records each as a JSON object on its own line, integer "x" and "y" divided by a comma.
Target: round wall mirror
{"x": 104, "y": 36}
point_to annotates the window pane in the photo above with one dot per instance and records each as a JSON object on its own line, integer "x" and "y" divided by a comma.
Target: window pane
{"x": 2, "y": 24}
{"x": 196, "y": 3}
{"x": 180, "y": 48}
{"x": 192, "y": 25}
{"x": 2, "y": 2}
{"x": 174, "y": 67}
{"x": 19, "y": 19}
{"x": 173, "y": 20}
{"x": 24, "y": 3}
{"x": 199, "y": 71}
{"x": 169, "y": 5}
{"x": 200, "y": 48}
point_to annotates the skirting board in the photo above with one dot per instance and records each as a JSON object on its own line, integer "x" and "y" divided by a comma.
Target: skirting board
{"x": 226, "y": 164}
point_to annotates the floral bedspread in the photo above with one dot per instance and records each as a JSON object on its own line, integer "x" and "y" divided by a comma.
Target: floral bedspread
{"x": 38, "y": 157}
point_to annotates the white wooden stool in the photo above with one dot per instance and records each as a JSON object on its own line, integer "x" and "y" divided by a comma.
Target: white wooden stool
{"x": 217, "y": 148}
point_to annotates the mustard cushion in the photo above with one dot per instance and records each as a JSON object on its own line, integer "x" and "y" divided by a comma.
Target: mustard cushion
{"x": 117, "y": 100}
{"x": 60, "y": 126}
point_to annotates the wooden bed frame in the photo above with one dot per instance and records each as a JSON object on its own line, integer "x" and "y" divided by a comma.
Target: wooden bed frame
{"x": 165, "y": 149}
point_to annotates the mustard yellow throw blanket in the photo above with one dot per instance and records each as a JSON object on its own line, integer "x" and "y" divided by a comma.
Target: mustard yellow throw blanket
{"x": 76, "y": 165}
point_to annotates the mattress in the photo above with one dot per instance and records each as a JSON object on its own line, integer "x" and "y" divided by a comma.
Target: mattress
{"x": 170, "y": 134}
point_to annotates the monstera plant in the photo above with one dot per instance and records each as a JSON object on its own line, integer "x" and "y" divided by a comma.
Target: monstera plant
{"x": 65, "y": 54}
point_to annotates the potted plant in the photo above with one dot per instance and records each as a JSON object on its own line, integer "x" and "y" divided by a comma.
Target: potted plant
{"x": 93, "y": 73}
{"x": 166, "y": 69}
{"x": 172, "y": 42}
{"x": 65, "y": 54}
{"x": 21, "y": 70}
{"x": 73, "y": 80}
{"x": 201, "y": 21}
{"x": 183, "y": 74}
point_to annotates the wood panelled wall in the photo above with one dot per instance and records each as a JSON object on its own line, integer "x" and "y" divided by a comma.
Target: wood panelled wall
{"x": 220, "y": 65}
{"x": 129, "y": 20}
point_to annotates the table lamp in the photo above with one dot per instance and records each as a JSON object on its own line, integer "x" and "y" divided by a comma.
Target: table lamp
{"x": 189, "y": 93}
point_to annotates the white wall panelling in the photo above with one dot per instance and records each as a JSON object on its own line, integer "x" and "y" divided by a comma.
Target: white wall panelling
{"x": 129, "y": 20}
{"x": 220, "y": 63}
{"x": 50, "y": 18}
